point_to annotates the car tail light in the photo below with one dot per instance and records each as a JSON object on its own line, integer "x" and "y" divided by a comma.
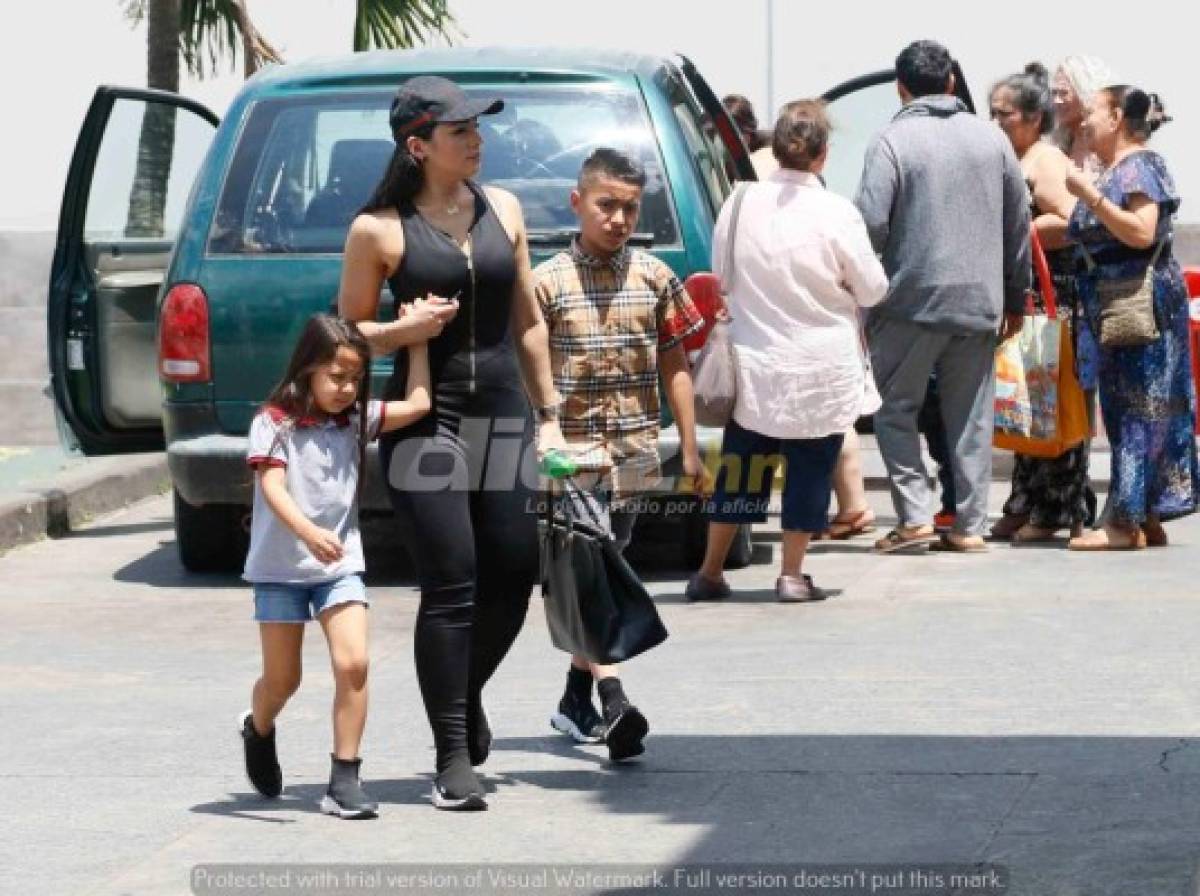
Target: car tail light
{"x": 183, "y": 336}
{"x": 705, "y": 291}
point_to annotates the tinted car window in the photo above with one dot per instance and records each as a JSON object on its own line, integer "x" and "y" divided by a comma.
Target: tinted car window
{"x": 304, "y": 166}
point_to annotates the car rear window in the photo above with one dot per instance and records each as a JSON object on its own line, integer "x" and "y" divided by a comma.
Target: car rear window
{"x": 304, "y": 166}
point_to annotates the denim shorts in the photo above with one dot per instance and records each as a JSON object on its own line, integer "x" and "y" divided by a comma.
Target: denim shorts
{"x": 295, "y": 602}
{"x": 743, "y": 488}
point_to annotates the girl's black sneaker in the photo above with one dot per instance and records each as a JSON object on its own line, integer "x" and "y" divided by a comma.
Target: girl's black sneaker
{"x": 262, "y": 765}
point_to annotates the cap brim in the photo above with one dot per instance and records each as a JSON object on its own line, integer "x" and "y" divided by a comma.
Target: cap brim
{"x": 471, "y": 109}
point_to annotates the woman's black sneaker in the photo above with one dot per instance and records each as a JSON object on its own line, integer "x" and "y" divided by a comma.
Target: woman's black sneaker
{"x": 577, "y": 718}
{"x": 262, "y": 765}
{"x": 479, "y": 732}
{"x": 458, "y": 789}
{"x": 345, "y": 797}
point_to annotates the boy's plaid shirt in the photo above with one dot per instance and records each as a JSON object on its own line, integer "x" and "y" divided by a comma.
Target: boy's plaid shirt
{"x": 608, "y": 319}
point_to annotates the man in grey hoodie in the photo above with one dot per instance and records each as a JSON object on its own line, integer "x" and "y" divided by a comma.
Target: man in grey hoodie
{"x": 946, "y": 206}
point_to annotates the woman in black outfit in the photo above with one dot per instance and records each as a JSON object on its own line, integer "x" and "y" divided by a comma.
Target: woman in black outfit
{"x": 462, "y": 480}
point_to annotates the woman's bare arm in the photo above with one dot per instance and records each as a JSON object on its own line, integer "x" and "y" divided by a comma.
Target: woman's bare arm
{"x": 1054, "y": 204}
{"x": 375, "y": 248}
{"x": 1135, "y": 226}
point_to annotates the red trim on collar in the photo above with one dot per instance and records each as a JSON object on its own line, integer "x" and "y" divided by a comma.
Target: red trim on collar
{"x": 277, "y": 415}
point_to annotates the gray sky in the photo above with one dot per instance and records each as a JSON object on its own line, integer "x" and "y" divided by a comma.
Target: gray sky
{"x": 48, "y": 81}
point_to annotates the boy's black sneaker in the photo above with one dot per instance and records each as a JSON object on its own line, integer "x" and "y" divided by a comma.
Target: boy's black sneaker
{"x": 577, "y": 718}
{"x": 625, "y": 734}
{"x": 262, "y": 765}
{"x": 458, "y": 789}
{"x": 345, "y": 797}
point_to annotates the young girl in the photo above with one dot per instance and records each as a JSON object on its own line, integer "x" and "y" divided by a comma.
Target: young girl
{"x": 307, "y": 447}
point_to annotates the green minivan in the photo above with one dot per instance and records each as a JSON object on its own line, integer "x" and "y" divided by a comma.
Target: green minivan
{"x": 191, "y": 250}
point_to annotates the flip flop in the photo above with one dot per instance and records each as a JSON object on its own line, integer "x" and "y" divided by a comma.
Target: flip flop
{"x": 1031, "y": 534}
{"x": 859, "y": 522}
{"x": 897, "y": 541}
{"x": 1090, "y": 542}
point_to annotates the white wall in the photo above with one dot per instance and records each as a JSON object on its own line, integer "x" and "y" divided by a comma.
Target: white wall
{"x": 53, "y": 54}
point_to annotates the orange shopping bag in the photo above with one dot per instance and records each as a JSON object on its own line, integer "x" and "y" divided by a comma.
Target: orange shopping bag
{"x": 1040, "y": 409}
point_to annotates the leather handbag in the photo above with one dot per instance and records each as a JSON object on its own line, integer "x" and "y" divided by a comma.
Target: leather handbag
{"x": 714, "y": 375}
{"x": 1127, "y": 305}
{"x": 596, "y": 606}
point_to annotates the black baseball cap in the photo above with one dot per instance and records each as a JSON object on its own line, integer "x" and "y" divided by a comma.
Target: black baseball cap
{"x": 428, "y": 98}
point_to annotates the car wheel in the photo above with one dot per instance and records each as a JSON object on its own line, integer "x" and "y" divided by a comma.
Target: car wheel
{"x": 695, "y": 540}
{"x": 211, "y": 538}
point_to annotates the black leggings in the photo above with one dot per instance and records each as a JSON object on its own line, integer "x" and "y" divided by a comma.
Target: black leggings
{"x": 462, "y": 481}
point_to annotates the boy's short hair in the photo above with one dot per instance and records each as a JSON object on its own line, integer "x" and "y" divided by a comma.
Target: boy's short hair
{"x": 608, "y": 162}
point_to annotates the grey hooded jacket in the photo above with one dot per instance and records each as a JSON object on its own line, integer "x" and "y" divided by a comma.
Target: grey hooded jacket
{"x": 947, "y": 207}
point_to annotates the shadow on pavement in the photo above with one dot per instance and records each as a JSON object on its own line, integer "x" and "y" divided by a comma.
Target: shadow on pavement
{"x": 1066, "y": 815}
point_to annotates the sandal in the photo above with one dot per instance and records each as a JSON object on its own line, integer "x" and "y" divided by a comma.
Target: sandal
{"x": 960, "y": 544}
{"x": 1103, "y": 540}
{"x": 902, "y": 539}
{"x": 1007, "y": 526}
{"x": 1031, "y": 534}
{"x": 1155, "y": 534}
{"x": 848, "y": 525}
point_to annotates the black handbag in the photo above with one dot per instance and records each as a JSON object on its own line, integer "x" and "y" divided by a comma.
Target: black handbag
{"x": 596, "y": 606}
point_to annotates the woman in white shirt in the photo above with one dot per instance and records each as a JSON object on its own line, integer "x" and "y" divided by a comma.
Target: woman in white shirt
{"x": 803, "y": 267}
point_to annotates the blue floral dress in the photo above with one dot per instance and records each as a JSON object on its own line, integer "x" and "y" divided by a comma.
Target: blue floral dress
{"x": 1147, "y": 397}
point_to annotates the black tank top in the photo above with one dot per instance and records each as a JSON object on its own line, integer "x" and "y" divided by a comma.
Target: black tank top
{"x": 476, "y": 347}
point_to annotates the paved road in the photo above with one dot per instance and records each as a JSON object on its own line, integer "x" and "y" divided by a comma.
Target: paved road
{"x": 1027, "y": 707}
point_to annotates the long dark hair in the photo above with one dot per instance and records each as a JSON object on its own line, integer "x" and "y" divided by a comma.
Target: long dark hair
{"x": 319, "y": 341}
{"x": 404, "y": 177}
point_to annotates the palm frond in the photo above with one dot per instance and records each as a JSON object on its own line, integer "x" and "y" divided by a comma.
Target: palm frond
{"x": 208, "y": 35}
{"x": 135, "y": 11}
{"x": 213, "y": 30}
{"x": 400, "y": 24}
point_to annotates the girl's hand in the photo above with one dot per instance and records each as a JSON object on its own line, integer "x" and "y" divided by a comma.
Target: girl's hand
{"x": 323, "y": 545}
{"x": 1079, "y": 184}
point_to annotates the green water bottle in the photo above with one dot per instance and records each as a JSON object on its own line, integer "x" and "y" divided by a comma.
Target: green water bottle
{"x": 558, "y": 465}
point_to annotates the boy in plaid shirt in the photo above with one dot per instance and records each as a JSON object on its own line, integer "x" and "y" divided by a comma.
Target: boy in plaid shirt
{"x": 617, "y": 319}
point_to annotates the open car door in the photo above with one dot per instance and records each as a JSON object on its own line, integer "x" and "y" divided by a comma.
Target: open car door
{"x": 134, "y": 164}
{"x": 737, "y": 156}
{"x": 859, "y": 108}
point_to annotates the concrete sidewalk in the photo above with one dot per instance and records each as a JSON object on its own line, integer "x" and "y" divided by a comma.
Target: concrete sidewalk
{"x": 1027, "y": 707}
{"x": 45, "y": 491}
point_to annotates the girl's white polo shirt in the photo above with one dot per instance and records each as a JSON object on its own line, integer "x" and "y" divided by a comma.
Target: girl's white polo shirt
{"x": 321, "y": 458}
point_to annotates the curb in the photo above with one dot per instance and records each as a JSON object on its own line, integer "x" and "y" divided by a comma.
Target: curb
{"x": 77, "y": 496}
